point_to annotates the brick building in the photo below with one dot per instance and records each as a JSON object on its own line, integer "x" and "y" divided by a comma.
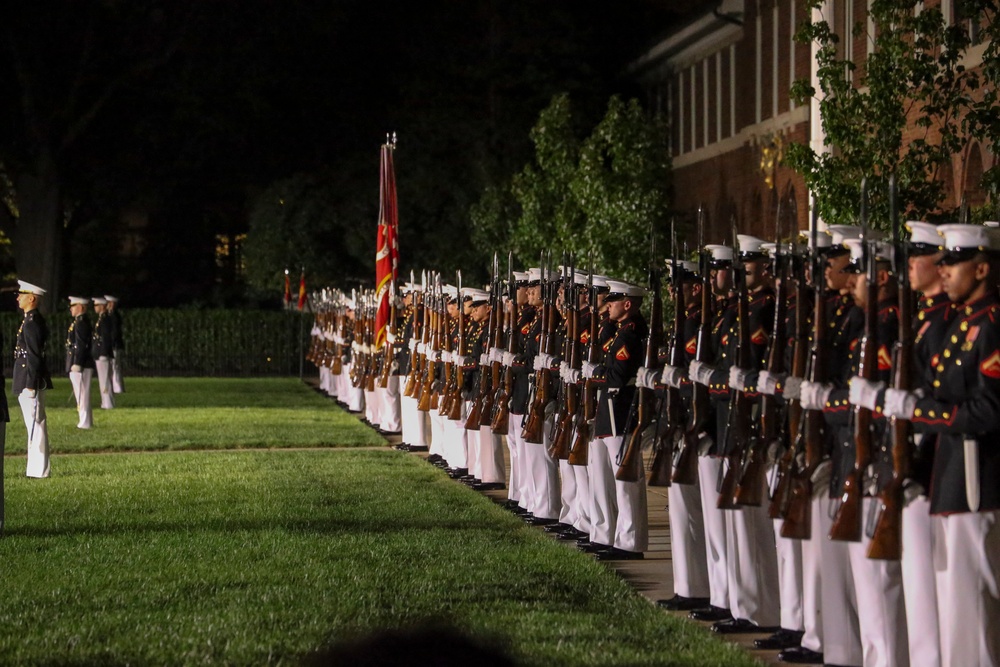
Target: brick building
{"x": 722, "y": 79}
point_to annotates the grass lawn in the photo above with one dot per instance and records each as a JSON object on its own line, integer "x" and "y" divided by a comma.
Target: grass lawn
{"x": 263, "y": 557}
{"x": 196, "y": 413}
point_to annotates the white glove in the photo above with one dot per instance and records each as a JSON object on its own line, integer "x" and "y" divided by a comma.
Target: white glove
{"x": 899, "y": 403}
{"x": 646, "y": 378}
{"x": 821, "y": 475}
{"x": 508, "y": 359}
{"x": 738, "y": 378}
{"x": 768, "y": 383}
{"x": 864, "y": 393}
{"x": 496, "y": 354}
{"x": 543, "y": 361}
{"x": 421, "y": 348}
{"x": 390, "y": 338}
{"x": 573, "y": 375}
{"x": 701, "y": 373}
{"x": 587, "y": 370}
{"x": 75, "y": 368}
{"x": 793, "y": 388}
{"x": 484, "y": 359}
{"x": 672, "y": 376}
{"x": 446, "y": 356}
{"x": 814, "y": 395}
{"x": 413, "y": 344}
{"x": 563, "y": 367}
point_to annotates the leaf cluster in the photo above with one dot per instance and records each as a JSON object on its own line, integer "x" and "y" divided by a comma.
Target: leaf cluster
{"x": 904, "y": 110}
{"x": 598, "y": 197}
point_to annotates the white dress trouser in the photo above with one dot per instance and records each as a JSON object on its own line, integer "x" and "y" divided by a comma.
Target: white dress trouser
{"x": 967, "y": 563}
{"x": 373, "y": 405}
{"x": 543, "y": 471}
{"x": 752, "y": 564}
{"x": 812, "y": 574}
{"x": 687, "y": 540}
{"x": 841, "y": 632}
{"x": 455, "y": 440}
{"x": 525, "y": 499}
{"x": 389, "y": 416}
{"x": 790, "y": 590}
{"x": 492, "y": 468}
{"x": 81, "y": 392}
{"x": 437, "y": 444}
{"x": 33, "y": 411}
{"x": 104, "y": 382}
{"x": 618, "y": 511}
{"x": 584, "y": 501}
{"x": 514, "y": 483}
{"x": 117, "y": 382}
{"x": 920, "y": 596}
{"x": 878, "y": 588}
{"x": 715, "y": 531}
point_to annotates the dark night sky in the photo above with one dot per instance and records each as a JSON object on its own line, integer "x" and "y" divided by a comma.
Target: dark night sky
{"x": 253, "y": 91}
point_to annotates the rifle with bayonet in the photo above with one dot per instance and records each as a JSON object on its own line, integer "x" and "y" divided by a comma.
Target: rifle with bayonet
{"x": 567, "y": 397}
{"x": 416, "y": 337}
{"x": 483, "y": 392}
{"x": 887, "y": 542}
{"x": 750, "y": 487}
{"x": 587, "y": 402}
{"x": 431, "y": 345}
{"x": 795, "y": 504}
{"x": 630, "y": 465}
{"x": 847, "y": 523}
{"x": 455, "y": 401}
{"x": 738, "y": 432}
{"x": 686, "y": 459}
{"x": 500, "y": 421}
{"x": 534, "y": 424}
{"x": 389, "y": 356}
{"x": 672, "y": 413}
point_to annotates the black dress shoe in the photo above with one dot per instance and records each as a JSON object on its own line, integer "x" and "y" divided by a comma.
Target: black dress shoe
{"x": 735, "y": 626}
{"x": 571, "y": 534}
{"x": 710, "y": 614}
{"x": 614, "y": 553}
{"x": 799, "y": 655}
{"x": 781, "y": 639}
{"x": 681, "y": 603}
{"x": 403, "y": 447}
{"x": 592, "y": 547}
{"x": 557, "y": 527}
{"x": 508, "y": 504}
{"x": 489, "y": 486}
{"x": 433, "y": 458}
{"x": 541, "y": 521}
{"x": 416, "y": 448}
{"x": 458, "y": 473}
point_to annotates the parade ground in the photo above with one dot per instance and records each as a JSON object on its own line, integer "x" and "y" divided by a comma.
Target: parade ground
{"x": 251, "y": 522}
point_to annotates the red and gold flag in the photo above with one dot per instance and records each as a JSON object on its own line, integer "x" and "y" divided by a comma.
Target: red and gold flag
{"x": 302, "y": 288}
{"x": 387, "y": 246}
{"x": 288, "y": 290}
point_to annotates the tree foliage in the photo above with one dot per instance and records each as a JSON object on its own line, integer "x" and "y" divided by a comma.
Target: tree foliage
{"x": 598, "y": 197}
{"x": 913, "y": 84}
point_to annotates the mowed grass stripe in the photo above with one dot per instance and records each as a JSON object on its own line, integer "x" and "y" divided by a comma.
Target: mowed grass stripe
{"x": 260, "y": 557}
{"x": 197, "y": 413}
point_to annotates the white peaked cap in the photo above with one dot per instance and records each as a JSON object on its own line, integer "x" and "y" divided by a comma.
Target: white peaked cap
{"x": 841, "y": 233}
{"x": 24, "y": 286}
{"x": 413, "y": 287}
{"x": 349, "y": 304}
{"x": 883, "y": 250}
{"x": 621, "y": 289}
{"x": 600, "y": 281}
{"x": 992, "y": 224}
{"x": 520, "y": 276}
{"x": 823, "y": 238}
{"x": 580, "y": 278}
{"x": 770, "y": 248}
{"x": 111, "y": 299}
{"x": 100, "y": 301}
{"x": 968, "y": 237}
{"x": 450, "y": 290}
{"x": 923, "y": 232}
{"x": 720, "y": 253}
{"x": 534, "y": 275}
{"x": 477, "y": 294}
{"x": 78, "y": 301}
{"x": 749, "y": 244}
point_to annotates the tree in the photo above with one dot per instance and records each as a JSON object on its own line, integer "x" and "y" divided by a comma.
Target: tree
{"x": 599, "y": 198}
{"x": 913, "y": 81}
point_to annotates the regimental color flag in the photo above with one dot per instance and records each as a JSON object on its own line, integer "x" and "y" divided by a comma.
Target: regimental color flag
{"x": 288, "y": 290}
{"x": 302, "y": 288}
{"x": 387, "y": 244}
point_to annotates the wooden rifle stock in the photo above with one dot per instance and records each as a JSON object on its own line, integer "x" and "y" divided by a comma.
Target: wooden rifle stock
{"x": 561, "y": 441}
{"x": 534, "y": 424}
{"x": 738, "y": 431}
{"x": 847, "y": 523}
{"x": 686, "y": 461}
{"x": 887, "y": 539}
{"x": 500, "y": 422}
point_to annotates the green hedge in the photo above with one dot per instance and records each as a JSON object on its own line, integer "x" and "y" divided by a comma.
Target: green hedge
{"x": 217, "y": 343}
